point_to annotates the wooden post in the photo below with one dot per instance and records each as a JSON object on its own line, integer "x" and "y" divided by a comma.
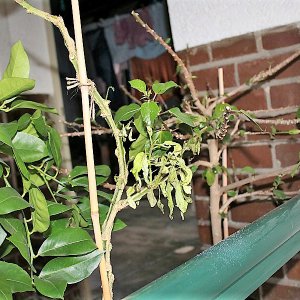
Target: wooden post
{"x": 83, "y": 83}
{"x": 224, "y": 159}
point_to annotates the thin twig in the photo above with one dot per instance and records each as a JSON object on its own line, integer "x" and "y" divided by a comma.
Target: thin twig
{"x": 126, "y": 92}
{"x": 187, "y": 75}
{"x": 271, "y": 113}
{"x": 262, "y": 76}
{"x": 81, "y": 133}
{"x": 254, "y": 178}
{"x": 243, "y": 197}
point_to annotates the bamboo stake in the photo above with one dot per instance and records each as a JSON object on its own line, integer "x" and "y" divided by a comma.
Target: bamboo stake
{"x": 83, "y": 82}
{"x": 224, "y": 160}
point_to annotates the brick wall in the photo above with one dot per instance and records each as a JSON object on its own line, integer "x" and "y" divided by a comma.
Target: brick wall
{"x": 241, "y": 58}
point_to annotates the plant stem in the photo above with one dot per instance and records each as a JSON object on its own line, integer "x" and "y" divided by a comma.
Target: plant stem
{"x": 31, "y": 254}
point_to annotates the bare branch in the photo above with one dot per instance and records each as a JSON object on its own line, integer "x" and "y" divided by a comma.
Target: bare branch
{"x": 262, "y": 76}
{"x": 128, "y": 94}
{"x": 243, "y": 197}
{"x": 281, "y": 171}
{"x": 187, "y": 75}
{"x": 271, "y": 113}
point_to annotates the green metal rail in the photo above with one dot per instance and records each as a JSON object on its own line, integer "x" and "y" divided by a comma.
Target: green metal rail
{"x": 237, "y": 266}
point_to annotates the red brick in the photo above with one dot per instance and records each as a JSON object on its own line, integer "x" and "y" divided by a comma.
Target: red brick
{"x": 205, "y": 234}
{"x": 232, "y": 230}
{"x": 195, "y": 56}
{"x": 234, "y": 47}
{"x": 255, "y": 156}
{"x": 282, "y": 38}
{"x": 280, "y": 292}
{"x": 288, "y": 154}
{"x": 253, "y": 100}
{"x": 293, "y": 269}
{"x": 202, "y": 209}
{"x": 249, "y": 69}
{"x": 251, "y": 211}
{"x": 199, "y": 186}
{"x": 209, "y": 77}
{"x": 285, "y": 95}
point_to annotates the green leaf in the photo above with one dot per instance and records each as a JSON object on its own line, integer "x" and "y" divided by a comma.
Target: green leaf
{"x": 57, "y": 208}
{"x": 24, "y": 121}
{"x": 139, "y": 124}
{"x": 41, "y": 217}
{"x": 138, "y": 164}
{"x": 163, "y": 136}
{"x": 101, "y": 170}
{"x": 279, "y": 194}
{"x": 6, "y": 248}
{"x": 151, "y": 198}
{"x": 10, "y": 128}
{"x": 248, "y": 170}
{"x": 12, "y": 224}
{"x": 11, "y": 200}
{"x": 55, "y": 146}
{"x": 294, "y": 131}
{"x": 52, "y": 288}
{"x": 70, "y": 241}
{"x": 17, "y": 279}
{"x": 126, "y": 112}
{"x": 149, "y": 111}
{"x": 231, "y": 193}
{"x": 4, "y": 136}
{"x": 19, "y": 240}
{"x": 3, "y": 235}
{"x": 160, "y": 88}
{"x": 5, "y": 291}
{"x": 18, "y": 65}
{"x": 183, "y": 117}
{"x": 298, "y": 113}
{"x": 137, "y": 146}
{"x": 40, "y": 124}
{"x": 32, "y": 105}
{"x": 219, "y": 110}
{"x": 22, "y": 167}
{"x": 29, "y": 147}
{"x": 119, "y": 225}
{"x": 139, "y": 85}
{"x": 71, "y": 269}
{"x": 10, "y": 87}
{"x": 210, "y": 176}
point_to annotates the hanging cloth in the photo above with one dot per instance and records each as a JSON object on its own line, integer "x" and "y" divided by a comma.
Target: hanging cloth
{"x": 162, "y": 69}
{"x": 126, "y": 38}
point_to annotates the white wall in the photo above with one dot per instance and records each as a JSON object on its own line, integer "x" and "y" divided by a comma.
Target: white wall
{"x": 198, "y": 22}
{"x": 16, "y": 25}
{"x": 38, "y": 41}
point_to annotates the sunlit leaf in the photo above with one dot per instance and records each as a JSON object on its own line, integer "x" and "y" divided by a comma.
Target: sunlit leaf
{"x": 139, "y": 85}
{"x": 10, "y": 87}
{"x": 18, "y": 65}
{"x": 149, "y": 111}
{"x": 162, "y": 87}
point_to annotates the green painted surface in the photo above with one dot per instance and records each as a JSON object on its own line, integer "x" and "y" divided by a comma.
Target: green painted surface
{"x": 234, "y": 268}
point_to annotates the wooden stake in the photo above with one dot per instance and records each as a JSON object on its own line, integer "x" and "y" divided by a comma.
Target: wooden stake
{"x": 83, "y": 83}
{"x": 224, "y": 159}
